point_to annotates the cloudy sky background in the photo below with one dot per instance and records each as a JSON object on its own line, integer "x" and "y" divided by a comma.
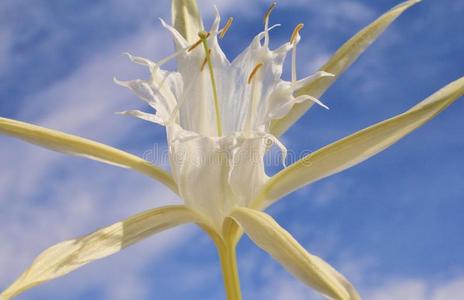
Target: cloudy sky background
{"x": 393, "y": 225}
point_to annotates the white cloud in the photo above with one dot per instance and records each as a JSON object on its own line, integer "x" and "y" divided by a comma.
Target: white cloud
{"x": 417, "y": 289}
{"x": 404, "y": 289}
{"x": 280, "y": 286}
{"x": 328, "y": 191}
{"x": 47, "y": 197}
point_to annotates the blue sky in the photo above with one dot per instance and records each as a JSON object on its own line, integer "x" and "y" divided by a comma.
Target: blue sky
{"x": 393, "y": 224}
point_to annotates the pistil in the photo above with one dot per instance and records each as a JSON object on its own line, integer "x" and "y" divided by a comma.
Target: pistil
{"x": 204, "y": 40}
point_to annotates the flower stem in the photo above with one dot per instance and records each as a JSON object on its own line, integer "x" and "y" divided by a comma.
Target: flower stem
{"x": 227, "y": 254}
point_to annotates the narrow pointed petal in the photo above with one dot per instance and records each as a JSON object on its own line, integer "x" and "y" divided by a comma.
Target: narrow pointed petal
{"x": 74, "y": 145}
{"x": 68, "y": 256}
{"x": 186, "y": 19}
{"x": 281, "y": 245}
{"x": 359, "y": 146}
{"x": 339, "y": 62}
{"x": 143, "y": 116}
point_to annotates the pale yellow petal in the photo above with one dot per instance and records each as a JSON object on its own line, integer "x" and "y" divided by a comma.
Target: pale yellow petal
{"x": 186, "y": 19}
{"x": 74, "y": 145}
{"x": 338, "y": 63}
{"x": 359, "y": 146}
{"x": 280, "y": 244}
{"x": 68, "y": 256}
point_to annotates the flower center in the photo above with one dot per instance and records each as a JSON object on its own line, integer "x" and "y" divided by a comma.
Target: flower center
{"x": 203, "y": 35}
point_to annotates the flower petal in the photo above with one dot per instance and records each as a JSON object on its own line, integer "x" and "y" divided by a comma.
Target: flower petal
{"x": 231, "y": 167}
{"x": 68, "y": 256}
{"x": 143, "y": 116}
{"x": 310, "y": 269}
{"x": 186, "y": 19}
{"x": 338, "y": 63}
{"x": 359, "y": 146}
{"x": 74, "y": 145}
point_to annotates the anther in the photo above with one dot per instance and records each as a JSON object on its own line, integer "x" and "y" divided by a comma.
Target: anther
{"x": 226, "y": 27}
{"x": 197, "y": 43}
{"x": 266, "y": 23}
{"x": 269, "y": 11}
{"x": 205, "y": 61}
{"x": 253, "y": 73}
{"x": 295, "y": 33}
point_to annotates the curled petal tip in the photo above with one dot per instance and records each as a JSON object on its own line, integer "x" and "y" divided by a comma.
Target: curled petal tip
{"x": 216, "y": 10}
{"x": 119, "y": 82}
{"x": 407, "y": 4}
{"x": 320, "y": 103}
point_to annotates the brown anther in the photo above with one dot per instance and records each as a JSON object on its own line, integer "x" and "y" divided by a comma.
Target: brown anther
{"x": 205, "y": 61}
{"x": 253, "y": 73}
{"x": 295, "y": 33}
{"x": 197, "y": 43}
{"x": 269, "y": 11}
{"x": 224, "y": 30}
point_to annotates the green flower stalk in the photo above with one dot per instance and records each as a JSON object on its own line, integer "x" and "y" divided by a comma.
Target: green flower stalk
{"x": 220, "y": 116}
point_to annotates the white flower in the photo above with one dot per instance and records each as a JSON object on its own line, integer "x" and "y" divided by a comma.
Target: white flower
{"x": 221, "y": 117}
{"x": 218, "y": 115}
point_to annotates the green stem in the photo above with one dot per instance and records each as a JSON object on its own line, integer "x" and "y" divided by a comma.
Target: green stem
{"x": 227, "y": 254}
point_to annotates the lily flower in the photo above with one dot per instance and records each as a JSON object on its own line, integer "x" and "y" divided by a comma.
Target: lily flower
{"x": 221, "y": 118}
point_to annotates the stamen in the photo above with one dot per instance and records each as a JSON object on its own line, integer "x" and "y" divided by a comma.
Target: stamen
{"x": 294, "y": 41}
{"x": 295, "y": 33}
{"x": 204, "y": 39}
{"x": 266, "y": 23}
{"x": 253, "y": 97}
{"x": 253, "y": 72}
{"x": 269, "y": 11}
{"x": 198, "y": 43}
{"x": 205, "y": 61}
{"x": 226, "y": 27}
